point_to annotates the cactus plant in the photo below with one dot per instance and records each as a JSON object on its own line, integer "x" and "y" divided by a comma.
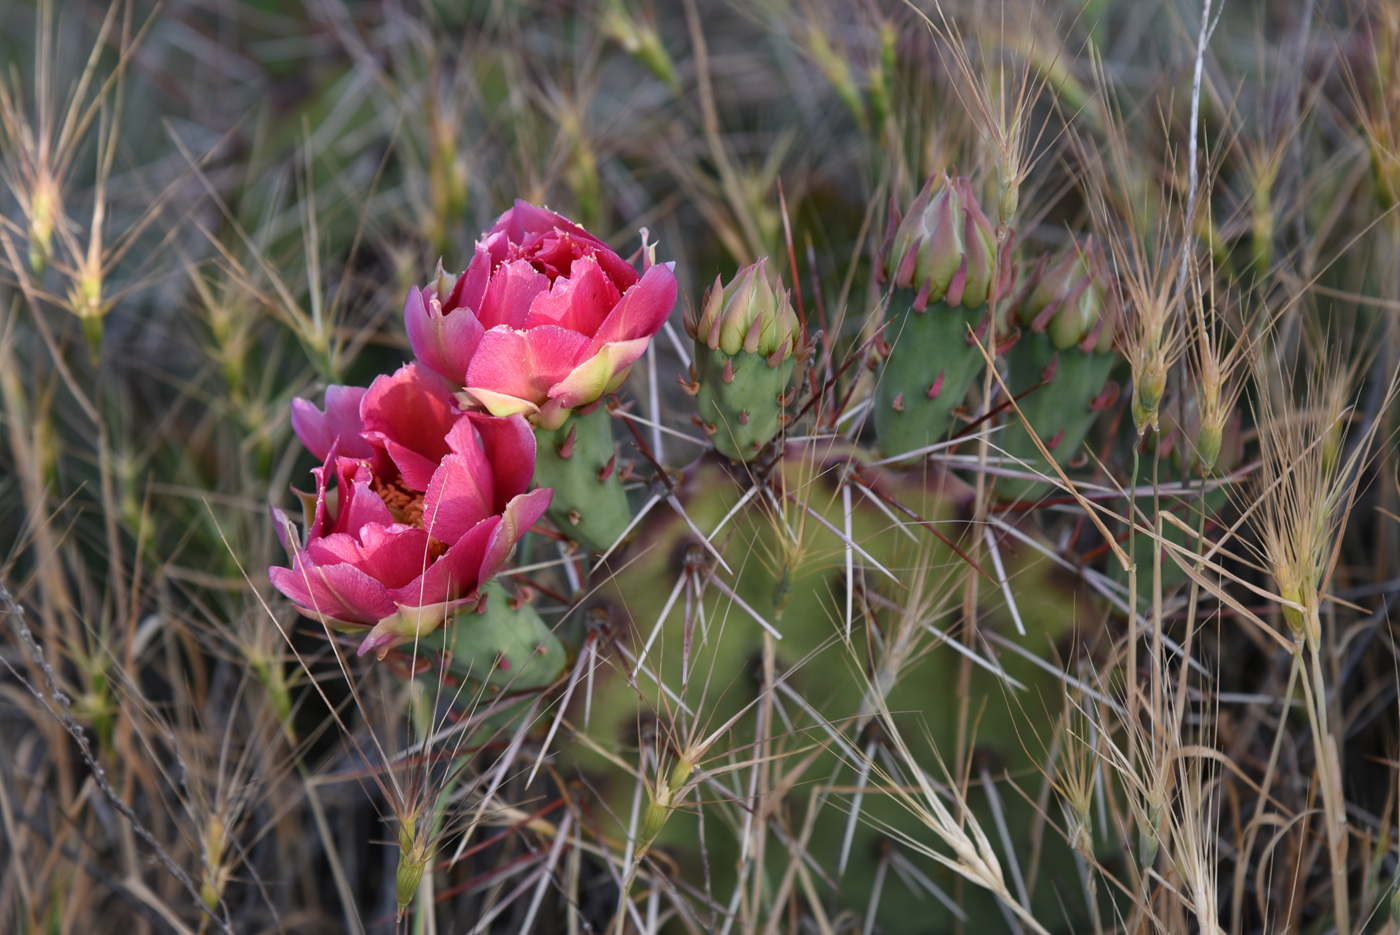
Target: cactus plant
{"x": 1059, "y": 367}
{"x": 745, "y": 337}
{"x": 941, "y": 259}
{"x": 578, "y": 460}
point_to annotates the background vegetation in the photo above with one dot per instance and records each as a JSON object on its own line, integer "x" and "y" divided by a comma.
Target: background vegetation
{"x": 210, "y": 208}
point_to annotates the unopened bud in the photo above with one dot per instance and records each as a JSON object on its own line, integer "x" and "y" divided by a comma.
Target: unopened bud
{"x": 746, "y": 339}
{"x": 1070, "y": 301}
{"x": 732, "y": 312}
{"x": 944, "y": 248}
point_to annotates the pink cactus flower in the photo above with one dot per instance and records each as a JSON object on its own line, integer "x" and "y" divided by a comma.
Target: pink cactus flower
{"x": 545, "y": 319}
{"x": 428, "y": 504}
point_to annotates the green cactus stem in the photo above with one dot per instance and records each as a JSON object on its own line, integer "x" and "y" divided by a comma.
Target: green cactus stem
{"x": 579, "y": 461}
{"x": 1061, "y": 364}
{"x": 504, "y": 644}
{"x": 941, "y": 258}
{"x": 741, "y": 400}
{"x": 1062, "y": 411}
{"x": 930, "y": 367}
{"x": 745, "y": 342}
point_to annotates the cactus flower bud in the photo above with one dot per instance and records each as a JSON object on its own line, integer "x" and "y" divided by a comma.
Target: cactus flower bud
{"x": 1070, "y": 301}
{"x": 941, "y": 258}
{"x": 945, "y": 248}
{"x": 746, "y": 337}
{"x": 1059, "y": 369}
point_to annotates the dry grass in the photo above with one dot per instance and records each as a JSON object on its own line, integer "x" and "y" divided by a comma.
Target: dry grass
{"x": 208, "y": 209}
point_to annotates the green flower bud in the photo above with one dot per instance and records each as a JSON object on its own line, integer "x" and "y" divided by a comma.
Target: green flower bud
{"x": 746, "y": 338}
{"x": 944, "y": 248}
{"x": 748, "y": 315}
{"x": 1071, "y": 301}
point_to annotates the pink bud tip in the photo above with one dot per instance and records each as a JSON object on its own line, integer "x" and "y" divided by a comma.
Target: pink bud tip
{"x": 937, "y": 386}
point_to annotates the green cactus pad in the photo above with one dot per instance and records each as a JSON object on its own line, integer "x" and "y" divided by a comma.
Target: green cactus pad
{"x": 508, "y": 648}
{"x": 928, "y": 351}
{"x": 745, "y": 409}
{"x": 1059, "y": 412}
{"x": 578, "y": 461}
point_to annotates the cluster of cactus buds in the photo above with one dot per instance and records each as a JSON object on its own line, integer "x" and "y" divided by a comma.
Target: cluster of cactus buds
{"x": 941, "y": 258}
{"x": 746, "y": 338}
{"x": 1059, "y": 367}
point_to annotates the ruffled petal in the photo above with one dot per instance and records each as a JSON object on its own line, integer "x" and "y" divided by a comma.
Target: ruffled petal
{"x": 356, "y": 504}
{"x": 510, "y": 447}
{"x": 455, "y": 575}
{"x": 392, "y": 555}
{"x": 318, "y": 430}
{"x": 516, "y": 519}
{"x": 341, "y": 592}
{"x": 552, "y": 242}
{"x": 410, "y": 414}
{"x": 512, "y": 288}
{"x": 443, "y": 341}
{"x": 600, "y": 374}
{"x": 642, "y": 310}
{"x": 523, "y": 364}
{"x": 462, "y": 491}
{"x": 580, "y": 302}
{"x": 471, "y": 285}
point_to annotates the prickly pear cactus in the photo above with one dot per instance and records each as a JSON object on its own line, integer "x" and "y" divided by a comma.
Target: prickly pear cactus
{"x": 1059, "y": 368}
{"x": 789, "y": 571}
{"x": 941, "y": 259}
{"x": 504, "y": 644}
{"x": 746, "y": 338}
{"x": 579, "y": 461}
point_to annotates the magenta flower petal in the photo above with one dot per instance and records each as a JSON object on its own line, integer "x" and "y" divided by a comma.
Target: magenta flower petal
{"x": 552, "y": 242}
{"x": 471, "y": 285}
{"x": 318, "y": 430}
{"x": 519, "y": 515}
{"x": 510, "y": 446}
{"x": 523, "y": 365}
{"x": 392, "y": 555}
{"x": 580, "y": 303}
{"x": 599, "y": 375}
{"x": 510, "y": 292}
{"x": 356, "y": 504}
{"x": 462, "y": 491}
{"x": 442, "y": 341}
{"x": 410, "y": 413}
{"x": 455, "y": 574}
{"x": 339, "y": 592}
{"x": 642, "y": 311}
